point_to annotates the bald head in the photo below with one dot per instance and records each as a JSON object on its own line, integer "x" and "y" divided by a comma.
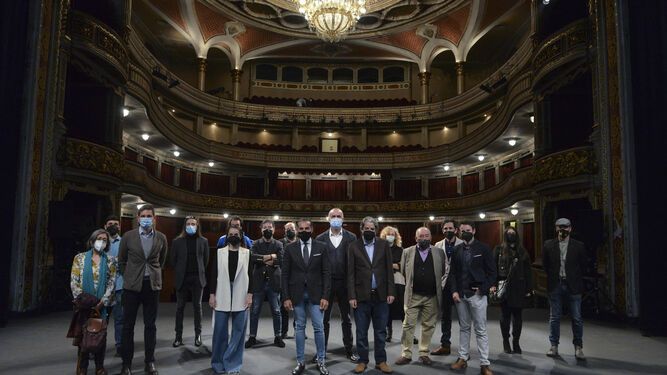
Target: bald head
{"x": 335, "y": 212}
{"x": 422, "y": 233}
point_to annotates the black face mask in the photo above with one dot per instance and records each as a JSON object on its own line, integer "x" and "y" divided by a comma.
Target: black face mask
{"x": 466, "y": 236}
{"x": 305, "y": 236}
{"x": 564, "y": 233}
{"x": 510, "y": 237}
{"x": 234, "y": 240}
{"x": 449, "y": 235}
{"x": 368, "y": 235}
{"x": 291, "y": 234}
{"x": 424, "y": 244}
{"x": 113, "y": 229}
{"x": 267, "y": 233}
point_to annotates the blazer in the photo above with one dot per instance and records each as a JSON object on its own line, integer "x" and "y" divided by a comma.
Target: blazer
{"x": 337, "y": 255}
{"x": 575, "y": 260}
{"x": 178, "y": 258}
{"x": 360, "y": 269}
{"x": 408, "y": 267}
{"x": 228, "y": 298}
{"x": 482, "y": 268}
{"x": 441, "y": 244}
{"x": 261, "y": 271}
{"x": 299, "y": 277}
{"x": 132, "y": 260}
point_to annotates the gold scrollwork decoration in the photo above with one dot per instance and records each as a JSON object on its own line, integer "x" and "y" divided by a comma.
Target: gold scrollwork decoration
{"x": 566, "y": 164}
{"x": 79, "y": 154}
{"x": 92, "y": 33}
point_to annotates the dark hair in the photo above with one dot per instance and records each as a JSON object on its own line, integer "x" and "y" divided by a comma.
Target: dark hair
{"x": 267, "y": 221}
{"x": 468, "y": 222}
{"x": 505, "y": 245}
{"x": 234, "y": 218}
{"x": 456, "y": 223}
{"x": 146, "y": 207}
{"x": 304, "y": 220}
{"x": 111, "y": 217}
{"x": 184, "y": 233}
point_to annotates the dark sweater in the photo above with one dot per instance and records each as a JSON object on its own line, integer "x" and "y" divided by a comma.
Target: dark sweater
{"x": 191, "y": 267}
{"x": 424, "y": 276}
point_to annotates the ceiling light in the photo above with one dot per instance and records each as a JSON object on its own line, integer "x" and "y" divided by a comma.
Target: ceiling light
{"x": 480, "y": 157}
{"x": 444, "y": 128}
{"x": 514, "y": 211}
{"x": 545, "y": 2}
{"x": 214, "y": 123}
{"x": 532, "y": 118}
{"x": 394, "y": 132}
{"x": 126, "y": 112}
{"x": 211, "y": 164}
{"x": 145, "y": 136}
{"x": 177, "y": 153}
{"x": 139, "y": 205}
{"x": 482, "y": 215}
{"x": 173, "y": 110}
{"x": 331, "y": 19}
{"x": 380, "y": 218}
{"x": 263, "y": 130}
{"x": 172, "y": 211}
{"x": 276, "y": 217}
{"x": 431, "y": 217}
{"x": 225, "y": 215}
{"x": 446, "y": 167}
{"x": 512, "y": 141}
{"x": 330, "y": 134}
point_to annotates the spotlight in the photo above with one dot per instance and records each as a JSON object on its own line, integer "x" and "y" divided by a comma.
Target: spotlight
{"x": 514, "y": 211}
{"x": 431, "y": 217}
{"x": 276, "y": 217}
{"x": 329, "y": 134}
{"x": 512, "y": 141}
{"x": 225, "y": 215}
{"x": 480, "y": 157}
{"x": 177, "y": 153}
{"x": 482, "y": 215}
{"x": 211, "y": 164}
{"x": 380, "y": 218}
{"x": 126, "y": 112}
{"x": 532, "y": 118}
{"x": 446, "y": 167}
{"x": 145, "y": 136}
{"x": 172, "y": 211}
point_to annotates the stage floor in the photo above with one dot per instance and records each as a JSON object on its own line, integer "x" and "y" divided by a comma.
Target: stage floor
{"x": 37, "y": 345}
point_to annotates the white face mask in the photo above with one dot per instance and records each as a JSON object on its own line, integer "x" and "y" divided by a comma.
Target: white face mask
{"x": 99, "y": 245}
{"x": 391, "y": 239}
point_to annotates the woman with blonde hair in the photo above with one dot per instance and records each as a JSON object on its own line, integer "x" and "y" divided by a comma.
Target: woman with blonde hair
{"x": 392, "y": 236}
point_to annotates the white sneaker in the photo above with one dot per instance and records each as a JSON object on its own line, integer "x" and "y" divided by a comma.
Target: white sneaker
{"x": 579, "y": 353}
{"x": 553, "y": 352}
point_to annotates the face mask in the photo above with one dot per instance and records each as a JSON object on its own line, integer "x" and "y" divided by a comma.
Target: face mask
{"x": 291, "y": 234}
{"x": 191, "y": 229}
{"x": 304, "y": 236}
{"x": 391, "y": 239}
{"x": 234, "y": 240}
{"x": 424, "y": 244}
{"x": 369, "y": 235}
{"x": 99, "y": 245}
{"x": 336, "y": 222}
{"x": 267, "y": 233}
{"x": 449, "y": 235}
{"x": 564, "y": 233}
{"x": 466, "y": 236}
{"x": 510, "y": 237}
{"x": 113, "y": 229}
{"x": 146, "y": 222}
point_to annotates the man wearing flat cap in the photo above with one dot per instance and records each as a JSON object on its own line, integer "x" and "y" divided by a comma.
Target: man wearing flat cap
{"x": 563, "y": 259}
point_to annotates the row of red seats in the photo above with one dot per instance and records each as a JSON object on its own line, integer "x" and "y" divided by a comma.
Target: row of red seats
{"x": 346, "y": 149}
{"x": 331, "y": 103}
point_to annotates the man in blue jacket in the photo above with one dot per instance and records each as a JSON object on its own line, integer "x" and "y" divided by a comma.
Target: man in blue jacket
{"x": 235, "y": 222}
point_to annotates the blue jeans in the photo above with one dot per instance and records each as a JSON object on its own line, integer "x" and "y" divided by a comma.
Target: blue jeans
{"x": 227, "y": 353}
{"x": 117, "y": 313}
{"x": 258, "y": 301}
{"x": 556, "y": 302}
{"x": 316, "y": 317}
{"x": 365, "y": 313}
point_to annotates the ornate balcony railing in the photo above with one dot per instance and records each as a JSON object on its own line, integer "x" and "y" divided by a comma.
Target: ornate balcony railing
{"x": 567, "y": 45}
{"x": 580, "y": 161}
{"x": 79, "y": 155}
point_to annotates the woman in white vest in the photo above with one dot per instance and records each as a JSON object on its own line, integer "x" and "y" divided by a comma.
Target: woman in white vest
{"x": 231, "y": 286}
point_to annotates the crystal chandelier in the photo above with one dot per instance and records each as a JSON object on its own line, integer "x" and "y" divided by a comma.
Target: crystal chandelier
{"x": 331, "y": 19}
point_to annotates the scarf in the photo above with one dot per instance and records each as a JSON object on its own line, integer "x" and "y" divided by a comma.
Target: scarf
{"x": 87, "y": 280}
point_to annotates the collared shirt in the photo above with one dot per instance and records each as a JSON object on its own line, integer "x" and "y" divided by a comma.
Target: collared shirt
{"x": 310, "y": 246}
{"x": 467, "y": 260}
{"x": 336, "y": 238}
{"x": 423, "y": 253}
{"x": 146, "y": 244}
{"x": 563, "y": 254}
{"x": 113, "y": 251}
{"x": 370, "y": 250}
{"x": 449, "y": 247}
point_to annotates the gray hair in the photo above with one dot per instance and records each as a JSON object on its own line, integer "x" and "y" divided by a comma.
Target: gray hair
{"x": 368, "y": 219}
{"x": 93, "y": 238}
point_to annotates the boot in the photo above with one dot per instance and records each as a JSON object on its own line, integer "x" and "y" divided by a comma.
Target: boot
{"x": 506, "y": 346}
{"x": 515, "y": 346}
{"x": 99, "y": 364}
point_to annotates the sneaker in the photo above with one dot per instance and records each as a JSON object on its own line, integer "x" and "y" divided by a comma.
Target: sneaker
{"x": 250, "y": 343}
{"x": 352, "y": 356}
{"x": 553, "y": 352}
{"x": 579, "y": 353}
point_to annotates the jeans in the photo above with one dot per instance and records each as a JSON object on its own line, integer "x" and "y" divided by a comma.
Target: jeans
{"x": 227, "y": 353}
{"x": 512, "y": 314}
{"x": 117, "y": 313}
{"x": 556, "y": 298}
{"x": 339, "y": 295}
{"x": 446, "y": 319}
{"x": 191, "y": 285}
{"x": 472, "y": 310}
{"x": 375, "y": 311}
{"x": 258, "y": 301}
{"x": 316, "y": 317}
{"x": 149, "y": 298}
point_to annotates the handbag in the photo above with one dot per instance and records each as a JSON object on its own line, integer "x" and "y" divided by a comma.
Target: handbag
{"x": 501, "y": 290}
{"x": 94, "y": 333}
{"x": 399, "y": 279}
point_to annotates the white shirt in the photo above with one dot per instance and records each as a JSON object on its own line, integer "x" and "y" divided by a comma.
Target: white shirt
{"x": 336, "y": 238}
{"x": 563, "y": 254}
{"x": 310, "y": 247}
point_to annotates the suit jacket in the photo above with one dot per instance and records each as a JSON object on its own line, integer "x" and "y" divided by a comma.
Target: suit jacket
{"x": 408, "y": 267}
{"x": 360, "y": 269}
{"x": 179, "y": 259}
{"x": 441, "y": 244}
{"x": 337, "y": 255}
{"x": 132, "y": 260}
{"x": 261, "y": 271}
{"x": 574, "y": 264}
{"x": 299, "y": 277}
{"x": 482, "y": 268}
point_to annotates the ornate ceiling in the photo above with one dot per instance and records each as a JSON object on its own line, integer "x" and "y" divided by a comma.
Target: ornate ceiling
{"x": 414, "y": 31}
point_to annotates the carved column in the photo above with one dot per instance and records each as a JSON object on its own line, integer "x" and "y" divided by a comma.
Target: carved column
{"x": 460, "y": 78}
{"x": 482, "y": 184}
{"x": 424, "y": 137}
{"x": 177, "y": 176}
{"x": 236, "y": 83}
{"x": 308, "y": 187}
{"x": 201, "y": 73}
{"x": 424, "y": 79}
{"x": 363, "y": 142}
{"x": 234, "y": 138}
{"x": 459, "y": 184}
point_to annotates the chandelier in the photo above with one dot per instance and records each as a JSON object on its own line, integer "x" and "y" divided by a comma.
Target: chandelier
{"x": 331, "y": 19}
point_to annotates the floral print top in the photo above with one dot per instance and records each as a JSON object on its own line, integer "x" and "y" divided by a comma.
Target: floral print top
{"x": 76, "y": 279}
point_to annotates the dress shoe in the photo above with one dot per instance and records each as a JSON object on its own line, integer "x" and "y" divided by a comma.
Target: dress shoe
{"x": 402, "y": 361}
{"x": 198, "y": 339}
{"x": 553, "y": 352}
{"x": 352, "y": 356}
{"x": 278, "y": 342}
{"x": 250, "y": 343}
{"x": 314, "y": 359}
{"x": 516, "y": 348}
{"x": 101, "y": 371}
{"x": 81, "y": 371}
{"x": 299, "y": 369}
{"x": 322, "y": 368}
{"x": 359, "y": 368}
{"x": 485, "y": 370}
{"x": 415, "y": 341}
{"x": 426, "y": 360}
{"x": 285, "y": 336}
{"x": 460, "y": 364}
{"x": 579, "y": 353}
{"x": 506, "y": 346}
{"x": 150, "y": 368}
{"x": 442, "y": 350}
{"x": 177, "y": 342}
{"x": 384, "y": 367}
{"x": 126, "y": 371}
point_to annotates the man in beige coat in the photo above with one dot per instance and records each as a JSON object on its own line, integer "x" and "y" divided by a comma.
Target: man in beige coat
{"x": 424, "y": 268}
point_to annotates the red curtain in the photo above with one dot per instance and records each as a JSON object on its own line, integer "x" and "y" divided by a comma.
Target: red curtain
{"x": 130, "y": 154}
{"x": 489, "y": 178}
{"x": 407, "y": 189}
{"x": 442, "y": 188}
{"x": 167, "y": 173}
{"x": 291, "y": 189}
{"x": 250, "y": 187}
{"x": 506, "y": 170}
{"x": 365, "y": 190}
{"x": 407, "y": 231}
{"x": 214, "y": 184}
{"x": 527, "y": 160}
{"x": 187, "y": 179}
{"x": 470, "y": 183}
{"x": 528, "y": 239}
{"x": 488, "y": 232}
{"x": 151, "y": 166}
{"x": 326, "y": 190}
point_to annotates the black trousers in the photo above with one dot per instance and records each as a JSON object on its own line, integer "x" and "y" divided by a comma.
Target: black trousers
{"x": 514, "y": 314}
{"x": 339, "y": 295}
{"x": 83, "y": 358}
{"x": 446, "y": 319}
{"x": 149, "y": 299}
{"x": 191, "y": 286}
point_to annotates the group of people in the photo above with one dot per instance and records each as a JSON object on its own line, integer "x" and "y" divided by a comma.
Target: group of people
{"x": 371, "y": 277}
